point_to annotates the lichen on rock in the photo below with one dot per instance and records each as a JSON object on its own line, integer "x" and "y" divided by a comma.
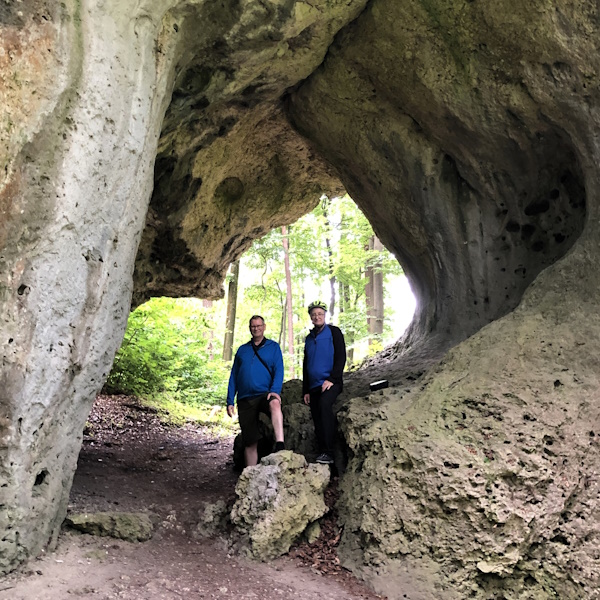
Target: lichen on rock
{"x": 132, "y": 527}
{"x": 277, "y": 500}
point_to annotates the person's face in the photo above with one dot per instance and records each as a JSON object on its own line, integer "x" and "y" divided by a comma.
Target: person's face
{"x": 257, "y": 328}
{"x": 317, "y": 316}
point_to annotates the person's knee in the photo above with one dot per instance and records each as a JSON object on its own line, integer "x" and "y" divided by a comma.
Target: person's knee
{"x": 275, "y": 406}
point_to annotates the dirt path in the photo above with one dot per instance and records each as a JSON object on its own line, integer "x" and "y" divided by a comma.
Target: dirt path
{"x": 131, "y": 462}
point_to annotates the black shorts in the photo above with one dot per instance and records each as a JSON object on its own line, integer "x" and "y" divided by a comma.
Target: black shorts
{"x": 248, "y": 409}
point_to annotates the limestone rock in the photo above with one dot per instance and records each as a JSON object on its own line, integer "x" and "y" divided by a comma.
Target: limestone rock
{"x": 277, "y": 500}
{"x": 291, "y": 392}
{"x": 212, "y": 518}
{"x": 312, "y": 532}
{"x": 479, "y": 482}
{"x": 132, "y": 527}
{"x": 163, "y": 144}
{"x": 300, "y": 430}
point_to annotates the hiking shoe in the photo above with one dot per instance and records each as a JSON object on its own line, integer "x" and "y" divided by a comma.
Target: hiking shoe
{"x": 279, "y": 446}
{"x": 325, "y": 459}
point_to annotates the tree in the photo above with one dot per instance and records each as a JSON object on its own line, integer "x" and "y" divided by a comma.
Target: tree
{"x": 288, "y": 297}
{"x": 325, "y": 203}
{"x": 374, "y": 290}
{"x": 232, "y": 292}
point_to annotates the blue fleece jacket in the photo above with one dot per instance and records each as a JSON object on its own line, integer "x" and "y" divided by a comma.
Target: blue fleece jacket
{"x": 249, "y": 377}
{"x": 324, "y": 357}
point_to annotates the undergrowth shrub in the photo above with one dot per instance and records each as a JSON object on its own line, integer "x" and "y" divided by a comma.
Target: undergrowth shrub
{"x": 169, "y": 348}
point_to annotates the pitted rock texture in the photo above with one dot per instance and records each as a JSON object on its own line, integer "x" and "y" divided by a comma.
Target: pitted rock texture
{"x": 462, "y": 150}
{"x": 277, "y": 500}
{"x": 85, "y": 90}
{"x": 482, "y": 481}
{"x": 229, "y": 167}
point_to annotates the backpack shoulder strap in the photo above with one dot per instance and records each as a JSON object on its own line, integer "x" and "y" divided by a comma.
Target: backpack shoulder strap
{"x": 261, "y": 359}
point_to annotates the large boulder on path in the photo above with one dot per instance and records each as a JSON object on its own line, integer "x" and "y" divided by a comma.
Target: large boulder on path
{"x": 277, "y": 500}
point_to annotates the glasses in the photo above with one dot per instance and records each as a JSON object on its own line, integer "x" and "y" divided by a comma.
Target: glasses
{"x": 314, "y": 314}
{"x": 256, "y": 326}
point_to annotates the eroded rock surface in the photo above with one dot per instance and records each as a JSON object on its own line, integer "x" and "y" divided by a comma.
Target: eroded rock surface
{"x": 277, "y": 500}
{"x": 467, "y": 133}
{"x": 482, "y": 481}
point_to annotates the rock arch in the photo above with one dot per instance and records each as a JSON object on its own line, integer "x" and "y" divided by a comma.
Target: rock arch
{"x": 143, "y": 148}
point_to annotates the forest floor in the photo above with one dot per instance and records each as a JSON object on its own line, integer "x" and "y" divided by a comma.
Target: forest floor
{"x": 131, "y": 461}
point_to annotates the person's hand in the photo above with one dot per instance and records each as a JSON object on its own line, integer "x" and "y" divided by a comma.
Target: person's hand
{"x": 273, "y": 396}
{"x": 230, "y": 410}
{"x": 306, "y": 399}
{"x": 326, "y": 385}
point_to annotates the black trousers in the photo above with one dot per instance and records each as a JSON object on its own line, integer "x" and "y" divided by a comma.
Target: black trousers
{"x": 321, "y": 408}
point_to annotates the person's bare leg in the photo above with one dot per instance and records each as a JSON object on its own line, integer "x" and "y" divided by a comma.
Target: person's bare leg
{"x": 277, "y": 419}
{"x": 251, "y": 455}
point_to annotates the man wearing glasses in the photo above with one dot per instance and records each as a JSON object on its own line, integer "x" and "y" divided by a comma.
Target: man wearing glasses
{"x": 256, "y": 377}
{"x": 324, "y": 361}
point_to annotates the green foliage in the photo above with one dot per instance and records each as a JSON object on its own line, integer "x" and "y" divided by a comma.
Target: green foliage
{"x": 167, "y": 350}
{"x": 313, "y": 263}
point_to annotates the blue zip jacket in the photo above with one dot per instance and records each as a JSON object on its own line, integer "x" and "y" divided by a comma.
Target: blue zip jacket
{"x": 324, "y": 357}
{"x": 249, "y": 377}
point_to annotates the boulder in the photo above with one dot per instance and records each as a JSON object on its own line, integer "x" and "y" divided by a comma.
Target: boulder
{"x": 132, "y": 527}
{"x": 277, "y": 500}
{"x": 212, "y": 518}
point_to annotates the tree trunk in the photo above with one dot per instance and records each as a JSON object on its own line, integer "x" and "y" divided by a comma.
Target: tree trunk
{"x": 344, "y": 301}
{"x": 288, "y": 303}
{"x": 211, "y": 333}
{"x": 331, "y": 266}
{"x": 232, "y": 292}
{"x": 374, "y": 294}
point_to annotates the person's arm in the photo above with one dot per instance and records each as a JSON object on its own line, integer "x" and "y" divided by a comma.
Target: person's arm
{"x": 277, "y": 381}
{"x": 305, "y": 389}
{"x": 339, "y": 355}
{"x": 232, "y": 387}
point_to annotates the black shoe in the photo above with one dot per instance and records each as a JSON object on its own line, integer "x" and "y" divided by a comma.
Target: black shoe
{"x": 279, "y": 446}
{"x": 325, "y": 459}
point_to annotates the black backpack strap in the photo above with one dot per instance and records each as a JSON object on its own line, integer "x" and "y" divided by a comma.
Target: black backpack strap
{"x": 261, "y": 359}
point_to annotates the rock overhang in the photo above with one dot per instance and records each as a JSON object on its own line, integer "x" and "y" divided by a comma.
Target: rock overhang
{"x": 465, "y": 133}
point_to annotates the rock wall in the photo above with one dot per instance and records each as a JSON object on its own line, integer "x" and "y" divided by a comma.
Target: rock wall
{"x": 229, "y": 166}
{"x": 453, "y": 128}
{"x": 82, "y": 102}
{"x": 92, "y": 94}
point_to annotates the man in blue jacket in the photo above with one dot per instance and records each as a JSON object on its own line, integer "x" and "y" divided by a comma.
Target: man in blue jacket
{"x": 324, "y": 361}
{"x": 256, "y": 377}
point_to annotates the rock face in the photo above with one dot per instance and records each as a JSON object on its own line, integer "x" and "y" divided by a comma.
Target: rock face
{"x": 143, "y": 148}
{"x": 464, "y": 147}
{"x": 482, "y": 482}
{"x": 277, "y": 500}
